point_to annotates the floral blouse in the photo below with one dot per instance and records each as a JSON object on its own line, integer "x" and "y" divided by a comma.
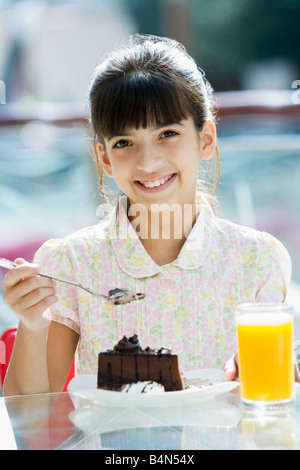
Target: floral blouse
{"x": 190, "y": 302}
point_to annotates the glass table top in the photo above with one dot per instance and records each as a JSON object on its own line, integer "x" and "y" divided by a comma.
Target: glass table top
{"x": 63, "y": 421}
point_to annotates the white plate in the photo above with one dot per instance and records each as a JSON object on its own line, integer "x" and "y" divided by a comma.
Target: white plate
{"x": 85, "y": 387}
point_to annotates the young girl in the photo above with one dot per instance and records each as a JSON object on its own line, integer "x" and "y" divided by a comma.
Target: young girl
{"x": 151, "y": 113}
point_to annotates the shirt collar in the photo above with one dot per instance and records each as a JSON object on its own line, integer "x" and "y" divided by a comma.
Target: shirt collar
{"x": 134, "y": 259}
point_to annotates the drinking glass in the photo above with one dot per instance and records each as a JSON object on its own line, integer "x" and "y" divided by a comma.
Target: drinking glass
{"x": 266, "y": 366}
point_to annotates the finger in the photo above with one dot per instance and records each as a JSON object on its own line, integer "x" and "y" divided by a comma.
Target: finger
{"x": 231, "y": 369}
{"x": 34, "y": 303}
{"x": 13, "y": 295}
{"x": 297, "y": 373}
{"x": 37, "y": 298}
{"x": 20, "y": 261}
{"x": 32, "y": 283}
{"x": 15, "y": 275}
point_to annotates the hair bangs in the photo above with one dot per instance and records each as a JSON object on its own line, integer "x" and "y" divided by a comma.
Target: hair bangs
{"x": 140, "y": 100}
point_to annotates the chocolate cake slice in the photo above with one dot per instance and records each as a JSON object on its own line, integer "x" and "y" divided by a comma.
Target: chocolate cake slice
{"x": 129, "y": 363}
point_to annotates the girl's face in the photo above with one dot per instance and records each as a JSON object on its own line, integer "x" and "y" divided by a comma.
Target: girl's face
{"x": 158, "y": 165}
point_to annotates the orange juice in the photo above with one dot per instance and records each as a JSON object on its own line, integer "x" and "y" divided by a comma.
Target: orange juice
{"x": 265, "y": 355}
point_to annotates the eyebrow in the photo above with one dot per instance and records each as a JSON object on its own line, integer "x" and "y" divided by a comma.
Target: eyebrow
{"x": 156, "y": 128}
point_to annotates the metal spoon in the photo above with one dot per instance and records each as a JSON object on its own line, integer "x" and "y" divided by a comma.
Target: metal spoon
{"x": 115, "y": 296}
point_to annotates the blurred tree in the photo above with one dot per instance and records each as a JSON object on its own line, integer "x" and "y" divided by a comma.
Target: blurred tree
{"x": 162, "y": 17}
{"x": 225, "y": 35}
{"x": 147, "y": 15}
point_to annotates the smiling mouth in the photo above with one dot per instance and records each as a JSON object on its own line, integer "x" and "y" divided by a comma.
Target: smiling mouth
{"x": 156, "y": 183}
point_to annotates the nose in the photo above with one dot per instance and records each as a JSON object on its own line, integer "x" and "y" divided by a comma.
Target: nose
{"x": 148, "y": 159}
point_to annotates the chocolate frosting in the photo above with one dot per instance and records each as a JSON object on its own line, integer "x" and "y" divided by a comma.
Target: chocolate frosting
{"x": 132, "y": 345}
{"x": 128, "y": 344}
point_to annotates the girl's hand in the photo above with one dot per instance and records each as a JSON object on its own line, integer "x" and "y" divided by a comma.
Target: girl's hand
{"x": 231, "y": 368}
{"x": 29, "y": 295}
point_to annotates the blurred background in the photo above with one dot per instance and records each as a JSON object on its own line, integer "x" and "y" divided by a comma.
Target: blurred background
{"x": 250, "y": 52}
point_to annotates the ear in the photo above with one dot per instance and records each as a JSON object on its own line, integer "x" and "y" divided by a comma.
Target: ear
{"x": 103, "y": 158}
{"x": 208, "y": 140}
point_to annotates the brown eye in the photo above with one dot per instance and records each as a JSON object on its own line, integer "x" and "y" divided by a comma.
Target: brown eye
{"x": 122, "y": 144}
{"x": 168, "y": 134}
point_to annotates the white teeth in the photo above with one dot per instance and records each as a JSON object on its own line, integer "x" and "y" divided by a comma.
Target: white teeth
{"x": 152, "y": 184}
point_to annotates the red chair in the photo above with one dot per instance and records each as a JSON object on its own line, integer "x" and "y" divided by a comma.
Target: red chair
{"x": 6, "y": 347}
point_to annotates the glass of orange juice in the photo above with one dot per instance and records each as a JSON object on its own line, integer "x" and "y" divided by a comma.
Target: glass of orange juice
{"x": 265, "y": 342}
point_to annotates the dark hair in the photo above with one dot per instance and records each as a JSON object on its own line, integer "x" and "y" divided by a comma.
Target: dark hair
{"x": 149, "y": 81}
